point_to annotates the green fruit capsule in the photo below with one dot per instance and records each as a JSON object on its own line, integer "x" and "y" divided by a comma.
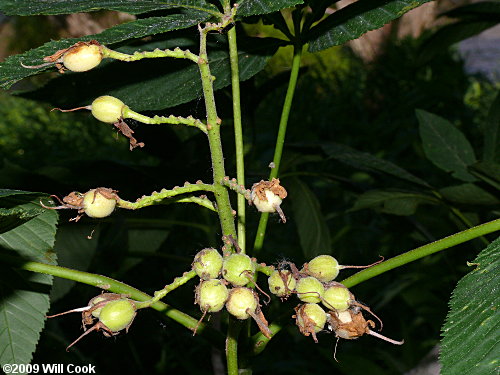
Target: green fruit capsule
{"x": 117, "y": 315}
{"x": 337, "y": 298}
{"x": 211, "y": 295}
{"x": 241, "y": 303}
{"x": 310, "y": 290}
{"x": 238, "y": 269}
{"x": 82, "y": 57}
{"x": 207, "y": 264}
{"x": 311, "y": 317}
{"x": 97, "y": 205}
{"x": 324, "y": 267}
{"x": 277, "y": 285}
{"x": 107, "y": 109}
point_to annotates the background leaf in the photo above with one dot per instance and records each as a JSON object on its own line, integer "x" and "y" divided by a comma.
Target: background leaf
{"x": 24, "y": 296}
{"x": 253, "y": 7}
{"x": 311, "y": 225}
{"x": 491, "y": 131}
{"x": 468, "y": 194}
{"x": 29, "y": 8}
{"x": 445, "y": 145}
{"x": 391, "y": 202}
{"x": 471, "y": 338}
{"x": 356, "y": 19}
{"x": 11, "y": 70}
{"x": 364, "y": 160}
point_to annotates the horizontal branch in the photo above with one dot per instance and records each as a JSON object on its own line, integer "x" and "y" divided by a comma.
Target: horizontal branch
{"x": 157, "y": 120}
{"x": 157, "y": 53}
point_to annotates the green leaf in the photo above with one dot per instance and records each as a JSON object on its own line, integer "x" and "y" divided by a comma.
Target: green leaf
{"x": 16, "y": 208}
{"x": 356, "y": 19}
{"x": 11, "y": 70}
{"x": 446, "y": 146}
{"x": 488, "y": 172}
{"x": 75, "y": 247}
{"x": 29, "y": 8}
{"x": 481, "y": 9}
{"x": 252, "y": 7}
{"x": 468, "y": 194}
{"x": 391, "y": 202}
{"x": 471, "y": 338}
{"x": 311, "y": 225}
{"x": 366, "y": 161}
{"x": 158, "y": 83}
{"x": 491, "y": 132}
{"x": 24, "y": 296}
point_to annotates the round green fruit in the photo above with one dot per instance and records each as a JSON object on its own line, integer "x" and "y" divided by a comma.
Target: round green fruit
{"x": 238, "y": 269}
{"x": 107, "y": 109}
{"x": 324, "y": 267}
{"x": 311, "y": 317}
{"x": 241, "y": 303}
{"x": 97, "y": 205}
{"x": 277, "y": 285}
{"x": 117, "y": 315}
{"x": 208, "y": 264}
{"x": 337, "y": 298}
{"x": 310, "y": 290}
{"x": 82, "y": 58}
{"x": 211, "y": 295}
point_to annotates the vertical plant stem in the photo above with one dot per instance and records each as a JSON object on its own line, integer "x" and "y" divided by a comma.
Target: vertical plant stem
{"x": 280, "y": 141}
{"x": 238, "y": 132}
{"x": 232, "y": 347}
{"x": 213, "y": 127}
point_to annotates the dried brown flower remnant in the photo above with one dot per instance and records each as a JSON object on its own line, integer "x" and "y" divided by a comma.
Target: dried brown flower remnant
{"x": 268, "y": 195}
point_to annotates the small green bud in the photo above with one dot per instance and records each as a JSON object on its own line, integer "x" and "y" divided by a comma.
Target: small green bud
{"x": 310, "y": 290}
{"x": 241, "y": 301}
{"x": 207, "y": 264}
{"x": 238, "y": 269}
{"x": 277, "y": 286}
{"x": 211, "y": 295}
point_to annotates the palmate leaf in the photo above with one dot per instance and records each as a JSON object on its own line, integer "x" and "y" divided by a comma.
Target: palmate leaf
{"x": 254, "y": 7}
{"x": 446, "y": 146}
{"x": 11, "y": 70}
{"x": 24, "y": 296}
{"x": 157, "y": 83}
{"x": 46, "y": 7}
{"x": 311, "y": 225}
{"x": 356, "y": 19}
{"x": 471, "y": 333}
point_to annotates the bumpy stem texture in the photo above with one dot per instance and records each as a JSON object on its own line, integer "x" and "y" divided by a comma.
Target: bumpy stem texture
{"x": 175, "y": 53}
{"x": 422, "y": 251}
{"x": 157, "y": 120}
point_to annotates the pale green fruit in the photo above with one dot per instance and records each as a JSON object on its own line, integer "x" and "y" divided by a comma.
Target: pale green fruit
{"x": 82, "y": 58}
{"x": 241, "y": 301}
{"x": 311, "y": 317}
{"x": 337, "y": 297}
{"x": 117, "y": 315}
{"x": 324, "y": 267}
{"x": 310, "y": 290}
{"x": 238, "y": 269}
{"x": 97, "y": 205}
{"x": 207, "y": 264}
{"x": 211, "y": 295}
{"x": 107, "y": 109}
{"x": 277, "y": 286}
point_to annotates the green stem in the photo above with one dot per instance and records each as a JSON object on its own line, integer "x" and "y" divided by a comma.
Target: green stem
{"x": 157, "y": 120}
{"x": 159, "y": 294}
{"x": 213, "y": 127}
{"x": 175, "y": 53}
{"x": 238, "y": 131}
{"x": 259, "y": 341}
{"x": 156, "y": 197}
{"x": 232, "y": 347}
{"x": 420, "y": 252}
{"x": 115, "y": 286}
{"x": 280, "y": 141}
{"x": 240, "y": 189}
